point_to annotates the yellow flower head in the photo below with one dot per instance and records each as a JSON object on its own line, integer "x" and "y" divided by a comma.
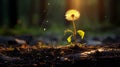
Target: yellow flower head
{"x": 72, "y": 15}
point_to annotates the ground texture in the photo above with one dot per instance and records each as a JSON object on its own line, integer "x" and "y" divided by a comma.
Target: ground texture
{"x": 59, "y": 56}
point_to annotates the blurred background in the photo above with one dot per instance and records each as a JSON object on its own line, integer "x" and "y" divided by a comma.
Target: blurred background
{"x": 41, "y": 17}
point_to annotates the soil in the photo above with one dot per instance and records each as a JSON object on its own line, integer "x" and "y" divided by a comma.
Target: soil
{"x": 48, "y": 56}
{"x": 73, "y": 55}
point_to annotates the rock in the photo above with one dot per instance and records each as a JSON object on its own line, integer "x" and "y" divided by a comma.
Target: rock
{"x": 8, "y": 41}
{"x": 27, "y": 38}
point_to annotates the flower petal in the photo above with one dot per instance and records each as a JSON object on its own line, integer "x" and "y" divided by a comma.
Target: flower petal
{"x": 72, "y": 15}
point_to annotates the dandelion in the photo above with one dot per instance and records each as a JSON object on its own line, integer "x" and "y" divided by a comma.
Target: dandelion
{"x": 72, "y": 15}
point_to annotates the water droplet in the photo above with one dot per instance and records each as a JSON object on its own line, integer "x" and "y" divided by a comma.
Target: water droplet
{"x": 47, "y": 21}
{"x": 48, "y": 3}
{"x": 44, "y": 29}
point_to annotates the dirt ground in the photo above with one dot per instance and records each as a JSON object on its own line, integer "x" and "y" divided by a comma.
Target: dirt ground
{"x": 59, "y": 56}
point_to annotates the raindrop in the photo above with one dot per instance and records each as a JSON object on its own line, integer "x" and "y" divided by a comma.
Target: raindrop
{"x": 44, "y": 29}
{"x": 48, "y": 3}
{"x": 47, "y": 21}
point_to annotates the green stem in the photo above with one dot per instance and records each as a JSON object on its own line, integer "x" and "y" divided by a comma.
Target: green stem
{"x": 74, "y": 33}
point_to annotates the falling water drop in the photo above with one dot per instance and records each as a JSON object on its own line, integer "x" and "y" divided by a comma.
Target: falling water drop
{"x": 44, "y": 29}
{"x": 47, "y": 21}
{"x": 48, "y": 3}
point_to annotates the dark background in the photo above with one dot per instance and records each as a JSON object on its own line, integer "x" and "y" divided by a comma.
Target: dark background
{"x": 47, "y": 16}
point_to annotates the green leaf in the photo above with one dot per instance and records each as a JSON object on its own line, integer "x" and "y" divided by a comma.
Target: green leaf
{"x": 68, "y": 30}
{"x": 81, "y": 33}
{"x": 69, "y": 38}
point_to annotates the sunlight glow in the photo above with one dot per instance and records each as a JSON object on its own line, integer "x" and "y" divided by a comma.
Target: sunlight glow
{"x": 86, "y": 53}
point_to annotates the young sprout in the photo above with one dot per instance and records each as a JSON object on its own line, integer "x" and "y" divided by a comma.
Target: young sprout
{"x": 72, "y": 15}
